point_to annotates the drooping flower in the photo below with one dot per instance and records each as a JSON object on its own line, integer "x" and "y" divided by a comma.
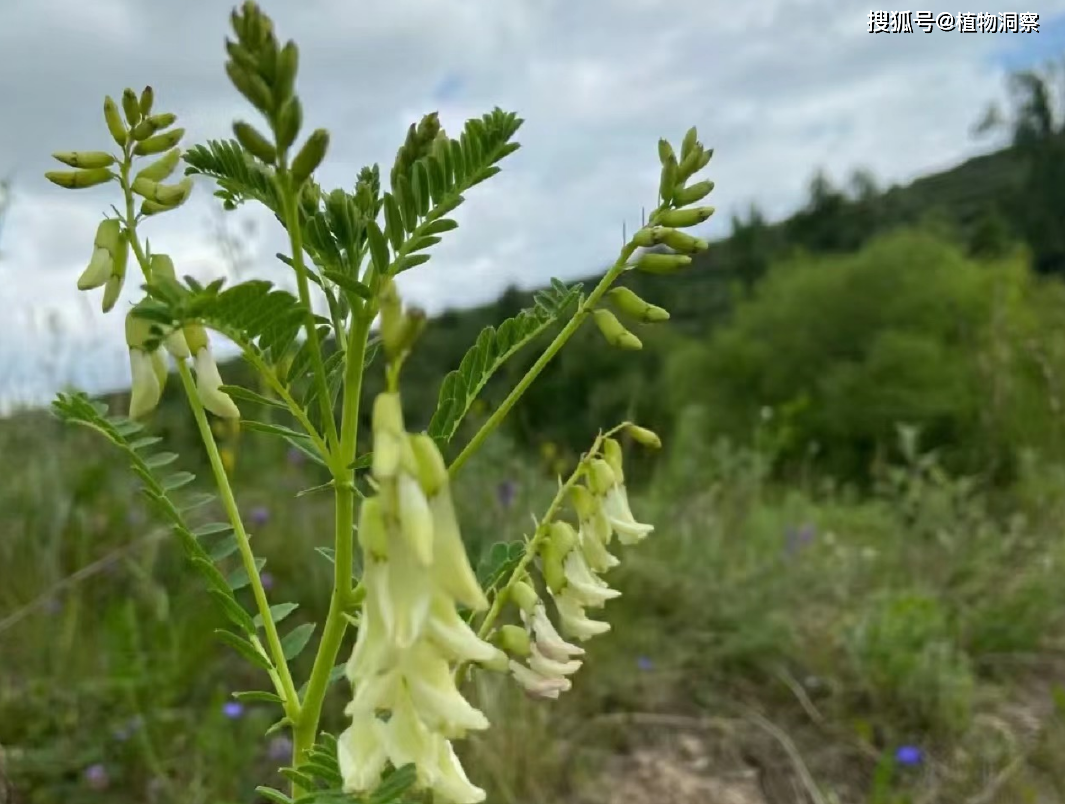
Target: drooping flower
{"x": 406, "y": 707}
{"x": 147, "y": 368}
{"x": 607, "y": 481}
{"x": 208, "y": 380}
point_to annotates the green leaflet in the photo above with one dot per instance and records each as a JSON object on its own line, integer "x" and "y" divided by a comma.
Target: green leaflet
{"x": 493, "y": 348}
{"x": 169, "y": 502}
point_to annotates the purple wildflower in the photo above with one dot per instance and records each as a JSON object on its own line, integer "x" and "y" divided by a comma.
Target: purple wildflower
{"x": 295, "y": 457}
{"x": 797, "y": 538}
{"x": 233, "y": 709}
{"x": 505, "y": 493}
{"x": 96, "y": 777}
{"x": 280, "y": 748}
{"x": 267, "y": 581}
{"x": 644, "y": 663}
{"x": 259, "y": 515}
{"x": 909, "y": 755}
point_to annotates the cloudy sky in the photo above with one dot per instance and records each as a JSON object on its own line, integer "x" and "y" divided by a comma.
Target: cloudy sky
{"x": 776, "y": 87}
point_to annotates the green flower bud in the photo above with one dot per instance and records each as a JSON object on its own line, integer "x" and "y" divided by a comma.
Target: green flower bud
{"x": 684, "y": 218}
{"x": 79, "y": 179}
{"x": 251, "y": 86}
{"x": 196, "y": 337}
{"x": 289, "y": 121}
{"x": 167, "y": 195}
{"x": 684, "y": 243}
{"x": 691, "y": 139}
{"x": 373, "y": 532}
{"x": 691, "y": 195}
{"x": 159, "y": 143}
{"x": 524, "y": 596}
{"x": 641, "y": 435}
{"x": 146, "y": 100}
{"x": 600, "y": 477}
{"x": 583, "y": 502}
{"x": 432, "y": 470}
{"x": 552, "y": 567}
{"x": 614, "y": 332}
{"x": 563, "y": 537}
{"x": 389, "y": 435}
{"x": 254, "y": 142}
{"x": 288, "y": 61}
{"x": 665, "y": 152}
{"x": 86, "y": 160}
{"x": 514, "y": 640}
{"x": 613, "y": 455}
{"x": 120, "y": 258}
{"x": 131, "y": 106}
{"x": 634, "y": 307}
{"x": 114, "y": 121}
{"x": 108, "y": 234}
{"x": 161, "y": 168}
{"x": 652, "y": 263}
{"x": 310, "y": 156}
{"x": 667, "y": 184}
{"x": 161, "y": 121}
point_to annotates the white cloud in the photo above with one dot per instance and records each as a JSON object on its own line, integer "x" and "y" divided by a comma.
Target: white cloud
{"x": 777, "y": 88}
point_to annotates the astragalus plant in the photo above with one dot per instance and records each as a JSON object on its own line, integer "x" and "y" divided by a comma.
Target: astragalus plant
{"x": 423, "y": 619}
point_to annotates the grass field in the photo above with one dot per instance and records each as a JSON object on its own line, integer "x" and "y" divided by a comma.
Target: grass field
{"x": 800, "y": 643}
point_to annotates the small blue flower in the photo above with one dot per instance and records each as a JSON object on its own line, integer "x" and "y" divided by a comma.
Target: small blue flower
{"x": 233, "y": 709}
{"x": 505, "y": 492}
{"x": 259, "y": 515}
{"x": 267, "y": 580}
{"x": 295, "y": 457}
{"x": 645, "y": 663}
{"x": 96, "y": 777}
{"x": 280, "y": 748}
{"x": 909, "y": 755}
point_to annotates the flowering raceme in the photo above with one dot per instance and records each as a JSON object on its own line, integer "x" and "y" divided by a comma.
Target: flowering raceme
{"x": 406, "y": 706}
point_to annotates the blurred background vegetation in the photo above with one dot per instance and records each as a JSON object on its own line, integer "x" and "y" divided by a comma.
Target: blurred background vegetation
{"x": 854, "y": 592}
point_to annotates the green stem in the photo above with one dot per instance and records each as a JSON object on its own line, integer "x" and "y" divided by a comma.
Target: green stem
{"x": 560, "y": 340}
{"x": 306, "y": 727}
{"x": 229, "y": 502}
{"x": 295, "y": 235}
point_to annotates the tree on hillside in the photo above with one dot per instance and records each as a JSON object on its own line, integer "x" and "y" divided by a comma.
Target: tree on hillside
{"x": 749, "y": 244}
{"x": 1037, "y": 129}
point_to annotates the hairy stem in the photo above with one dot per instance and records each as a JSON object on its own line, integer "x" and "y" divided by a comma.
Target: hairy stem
{"x": 295, "y": 235}
{"x": 560, "y": 340}
{"x": 306, "y": 727}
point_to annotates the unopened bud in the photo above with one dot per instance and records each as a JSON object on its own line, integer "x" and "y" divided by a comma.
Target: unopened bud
{"x": 684, "y": 218}
{"x": 114, "y": 121}
{"x": 105, "y": 245}
{"x": 552, "y": 567}
{"x": 641, "y": 435}
{"x": 601, "y": 477}
{"x": 613, "y": 455}
{"x": 120, "y": 258}
{"x": 682, "y": 241}
{"x": 634, "y": 307}
{"x": 691, "y": 195}
{"x": 373, "y": 532}
{"x": 251, "y": 86}
{"x": 388, "y": 435}
{"x": 167, "y": 195}
{"x": 524, "y": 596}
{"x": 131, "y": 106}
{"x": 288, "y": 61}
{"x": 432, "y": 470}
{"x": 665, "y": 151}
{"x": 310, "y": 156}
{"x": 667, "y": 183}
{"x": 161, "y": 168}
{"x": 583, "y": 502}
{"x": 146, "y": 100}
{"x": 159, "y": 143}
{"x": 653, "y": 263}
{"x": 196, "y": 337}
{"x": 612, "y": 329}
{"x": 514, "y": 640}
{"x": 563, "y": 537}
{"x": 79, "y": 179}
{"x": 259, "y": 147}
{"x": 691, "y": 139}
{"x": 85, "y": 160}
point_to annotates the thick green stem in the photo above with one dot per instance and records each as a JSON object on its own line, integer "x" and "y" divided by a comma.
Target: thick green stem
{"x": 306, "y": 728}
{"x": 560, "y": 340}
{"x": 229, "y": 502}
